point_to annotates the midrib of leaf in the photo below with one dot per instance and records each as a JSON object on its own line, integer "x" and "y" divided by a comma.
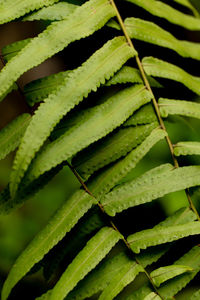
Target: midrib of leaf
{"x": 154, "y": 101}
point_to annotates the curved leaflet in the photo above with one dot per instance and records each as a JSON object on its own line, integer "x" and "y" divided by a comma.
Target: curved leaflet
{"x": 72, "y": 141}
{"x": 103, "y": 64}
{"x": 162, "y": 10}
{"x": 61, "y": 223}
{"x": 151, "y": 33}
{"x": 95, "y": 250}
{"x": 163, "y": 69}
{"x": 11, "y": 134}
{"x": 10, "y": 10}
{"x": 158, "y": 182}
{"x": 82, "y": 23}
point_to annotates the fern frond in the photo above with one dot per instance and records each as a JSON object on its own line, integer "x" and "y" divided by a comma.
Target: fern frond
{"x": 11, "y": 50}
{"x": 157, "y": 236}
{"x": 130, "y": 75}
{"x": 179, "y": 107}
{"x": 181, "y": 216}
{"x": 40, "y": 89}
{"x": 10, "y": 10}
{"x": 11, "y": 134}
{"x": 110, "y": 149}
{"x": 190, "y": 259}
{"x": 88, "y": 226}
{"x": 196, "y": 295}
{"x": 44, "y": 296}
{"x": 99, "y": 278}
{"x": 189, "y": 5}
{"x": 162, "y": 10}
{"x": 152, "y": 296}
{"x": 134, "y": 193}
{"x": 151, "y": 33}
{"x": 121, "y": 279}
{"x": 144, "y": 115}
{"x": 141, "y": 293}
{"x": 82, "y": 23}
{"x": 62, "y": 222}
{"x": 116, "y": 52}
{"x": 26, "y": 191}
{"x": 107, "y": 179}
{"x": 163, "y": 274}
{"x": 163, "y": 69}
{"x": 129, "y": 100}
{"x": 95, "y": 250}
{"x": 187, "y": 148}
{"x": 56, "y": 12}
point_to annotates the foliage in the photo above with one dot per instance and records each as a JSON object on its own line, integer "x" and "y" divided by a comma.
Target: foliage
{"x": 101, "y": 118}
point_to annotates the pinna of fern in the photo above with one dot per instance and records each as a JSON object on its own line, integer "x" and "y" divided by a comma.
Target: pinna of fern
{"x": 129, "y": 121}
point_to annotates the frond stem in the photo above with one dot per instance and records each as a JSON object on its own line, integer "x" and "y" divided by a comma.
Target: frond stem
{"x": 112, "y": 224}
{"x": 154, "y": 101}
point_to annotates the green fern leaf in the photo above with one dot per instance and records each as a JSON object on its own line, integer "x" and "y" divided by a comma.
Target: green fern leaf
{"x": 73, "y": 140}
{"x": 45, "y": 296}
{"x": 130, "y": 75}
{"x": 196, "y": 295}
{"x": 82, "y": 23}
{"x": 152, "y": 296}
{"x": 141, "y": 293}
{"x": 62, "y": 222}
{"x": 99, "y": 278}
{"x": 25, "y": 192}
{"x": 157, "y": 236}
{"x": 56, "y": 12}
{"x": 187, "y": 148}
{"x": 182, "y": 216}
{"x": 151, "y": 33}
{"x": 95, "y": 250}
{"x": 116, "y": 52}
{"x": 124, "y": 75}
{"x": 88, "y": 226}
{"x": 108, "y": 178}
{"x": 110, "y": 149}
{"x": 179, "y": 107}
{"x": 121, "y": 279}
{"x": 10, "y": 11}
{"x": 144, "y": 115}
{"x": 39, "y": 89}
{"x": 189, "y": 5}
{"x": 11, "y": 134}
{"x": 151, "y": 255}
{"x": 158, "y": 182}
{"x": 162, "y": 10}
{"x": 160, "y": 68}
{"x": 163, "y": 274}
{"x": 172, "y": 287}
{"x": 13, "y": 49}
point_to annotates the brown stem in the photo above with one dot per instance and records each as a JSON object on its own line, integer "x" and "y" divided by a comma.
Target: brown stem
{"x": 112, "y": 224}
{"x": 154, "y": 102}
